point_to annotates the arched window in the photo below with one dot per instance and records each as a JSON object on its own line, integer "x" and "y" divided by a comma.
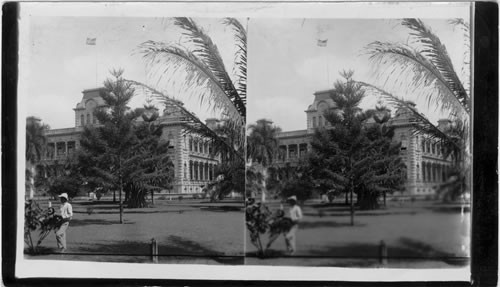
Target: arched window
{"x": 433, "y": 146}
{"x": 170, "y": 139}
{"x": 207, "y": 176}
{"x": 185, "y": 170}
{"x": 190, "y": 144}
{"x": 320, "y": 121}
{"x": 88, "y": 119}
{"x": 82, "y": 120}
{"x": 314, "y": 122}
{"x": 422, "y": 147}
{"x": 424, "y": 176}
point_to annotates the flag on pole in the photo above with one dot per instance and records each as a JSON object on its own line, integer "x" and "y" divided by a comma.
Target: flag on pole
{"x": 91, "y": 41}
{"x": 322, "y": 43}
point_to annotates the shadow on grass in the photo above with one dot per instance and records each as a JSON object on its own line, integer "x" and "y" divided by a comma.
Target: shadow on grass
{"x": 131, "y": 211}
{"x": 174, "y": 247}
{"x": 221, "y": 208}
{"x": 85, "y": 222}
{"x": 333, "y": 204}
{"x": 97, "y": 202}
{"x": 320, "y": 224}
{"x": 383, "y": 212}
{"x": 449, "y": 209}
{"x": 406, "y": 249}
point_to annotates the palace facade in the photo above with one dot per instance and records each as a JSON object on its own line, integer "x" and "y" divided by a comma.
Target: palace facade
{"x": 425, "y": 163}
{"x": 194, "y": 167}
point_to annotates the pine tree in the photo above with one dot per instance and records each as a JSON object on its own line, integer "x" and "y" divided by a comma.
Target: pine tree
{"x": 354, "y": 155}
{"x": 122, "y": 154}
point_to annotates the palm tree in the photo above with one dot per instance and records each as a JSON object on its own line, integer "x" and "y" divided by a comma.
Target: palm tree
{"x": 204, "y": 76}
{"x": 262, "y": 148}
{"x": 35, "y": 147}
{"x": 424, "y": 69}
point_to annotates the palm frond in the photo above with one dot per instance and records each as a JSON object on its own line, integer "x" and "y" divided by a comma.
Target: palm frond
{"x": 436, "y": 52}
{"x": 240, "y": 36}
{"x": 191, "y": 121}
{"x": 403, "y": 68}
{"x": 198, "y": 80}
{"x": 421, "y": 124}
{"x": 209, "y": 54}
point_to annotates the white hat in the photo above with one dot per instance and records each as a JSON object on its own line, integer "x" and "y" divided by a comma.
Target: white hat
{"x": 65, "y": 195}
{"x": 293, "y": 197}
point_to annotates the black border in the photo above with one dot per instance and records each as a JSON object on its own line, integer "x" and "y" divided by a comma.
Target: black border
{"x": 10, "y": 47}
{"x": 485, "y": 143}
{"x": 485, "y": 179}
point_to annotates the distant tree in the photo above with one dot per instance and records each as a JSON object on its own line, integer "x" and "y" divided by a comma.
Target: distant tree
{"x": 262, "y": 149}
{"x": 355, "y": 156}
{"x": 35, "y": 148}
{"x": 287, "y": 180}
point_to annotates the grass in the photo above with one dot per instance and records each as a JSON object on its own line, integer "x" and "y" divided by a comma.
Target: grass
{"x": 187, "y": 232}
{"x": 419, "y": 234}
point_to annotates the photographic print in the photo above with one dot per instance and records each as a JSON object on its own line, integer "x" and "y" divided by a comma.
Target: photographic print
{"x": 134, "y": 139}
{"x": 139, "y": 159}
{"x": 359, "y": 142}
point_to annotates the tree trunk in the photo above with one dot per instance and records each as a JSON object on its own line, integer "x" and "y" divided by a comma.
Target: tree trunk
{"x": 121, "y": 202}
{"x": 32, "y": 182}
{"x": 264, "y": 189}
{"x": 137, "y": 198}
{"x": 368, "y": 201}
{"x": 352, "y": 206}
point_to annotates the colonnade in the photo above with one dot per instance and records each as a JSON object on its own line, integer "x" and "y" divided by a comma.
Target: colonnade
{"x": 60, "y": 149}
{"x": 434, "y": 172}
{"x": 292, "y": 151}
{"x": 199, "y": 170}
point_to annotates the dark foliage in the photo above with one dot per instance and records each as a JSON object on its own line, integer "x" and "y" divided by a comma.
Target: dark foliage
{"x": 121, "y": 153}
{"x": 356, "y": 154}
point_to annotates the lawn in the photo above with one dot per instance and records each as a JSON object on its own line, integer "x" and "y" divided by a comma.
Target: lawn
{"x": 186, "y": 232}
{"x": 422, "y": 234}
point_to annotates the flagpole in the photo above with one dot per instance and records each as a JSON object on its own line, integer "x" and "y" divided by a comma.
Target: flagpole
{"x": 327, "y": 72}
{"x": 96, "y": 67}
{"x": 92, "y": 42}
{"x": 324, "y": 43}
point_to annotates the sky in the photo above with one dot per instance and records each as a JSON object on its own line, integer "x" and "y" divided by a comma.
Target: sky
{"x": 59, "y": 64}
{"x": 286, "y": 66}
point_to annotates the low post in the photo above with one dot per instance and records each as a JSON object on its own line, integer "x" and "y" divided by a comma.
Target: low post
{"x": 382, "y": 253}
{"x": 154, "y": 251}
{"x": 352, "y": 208}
